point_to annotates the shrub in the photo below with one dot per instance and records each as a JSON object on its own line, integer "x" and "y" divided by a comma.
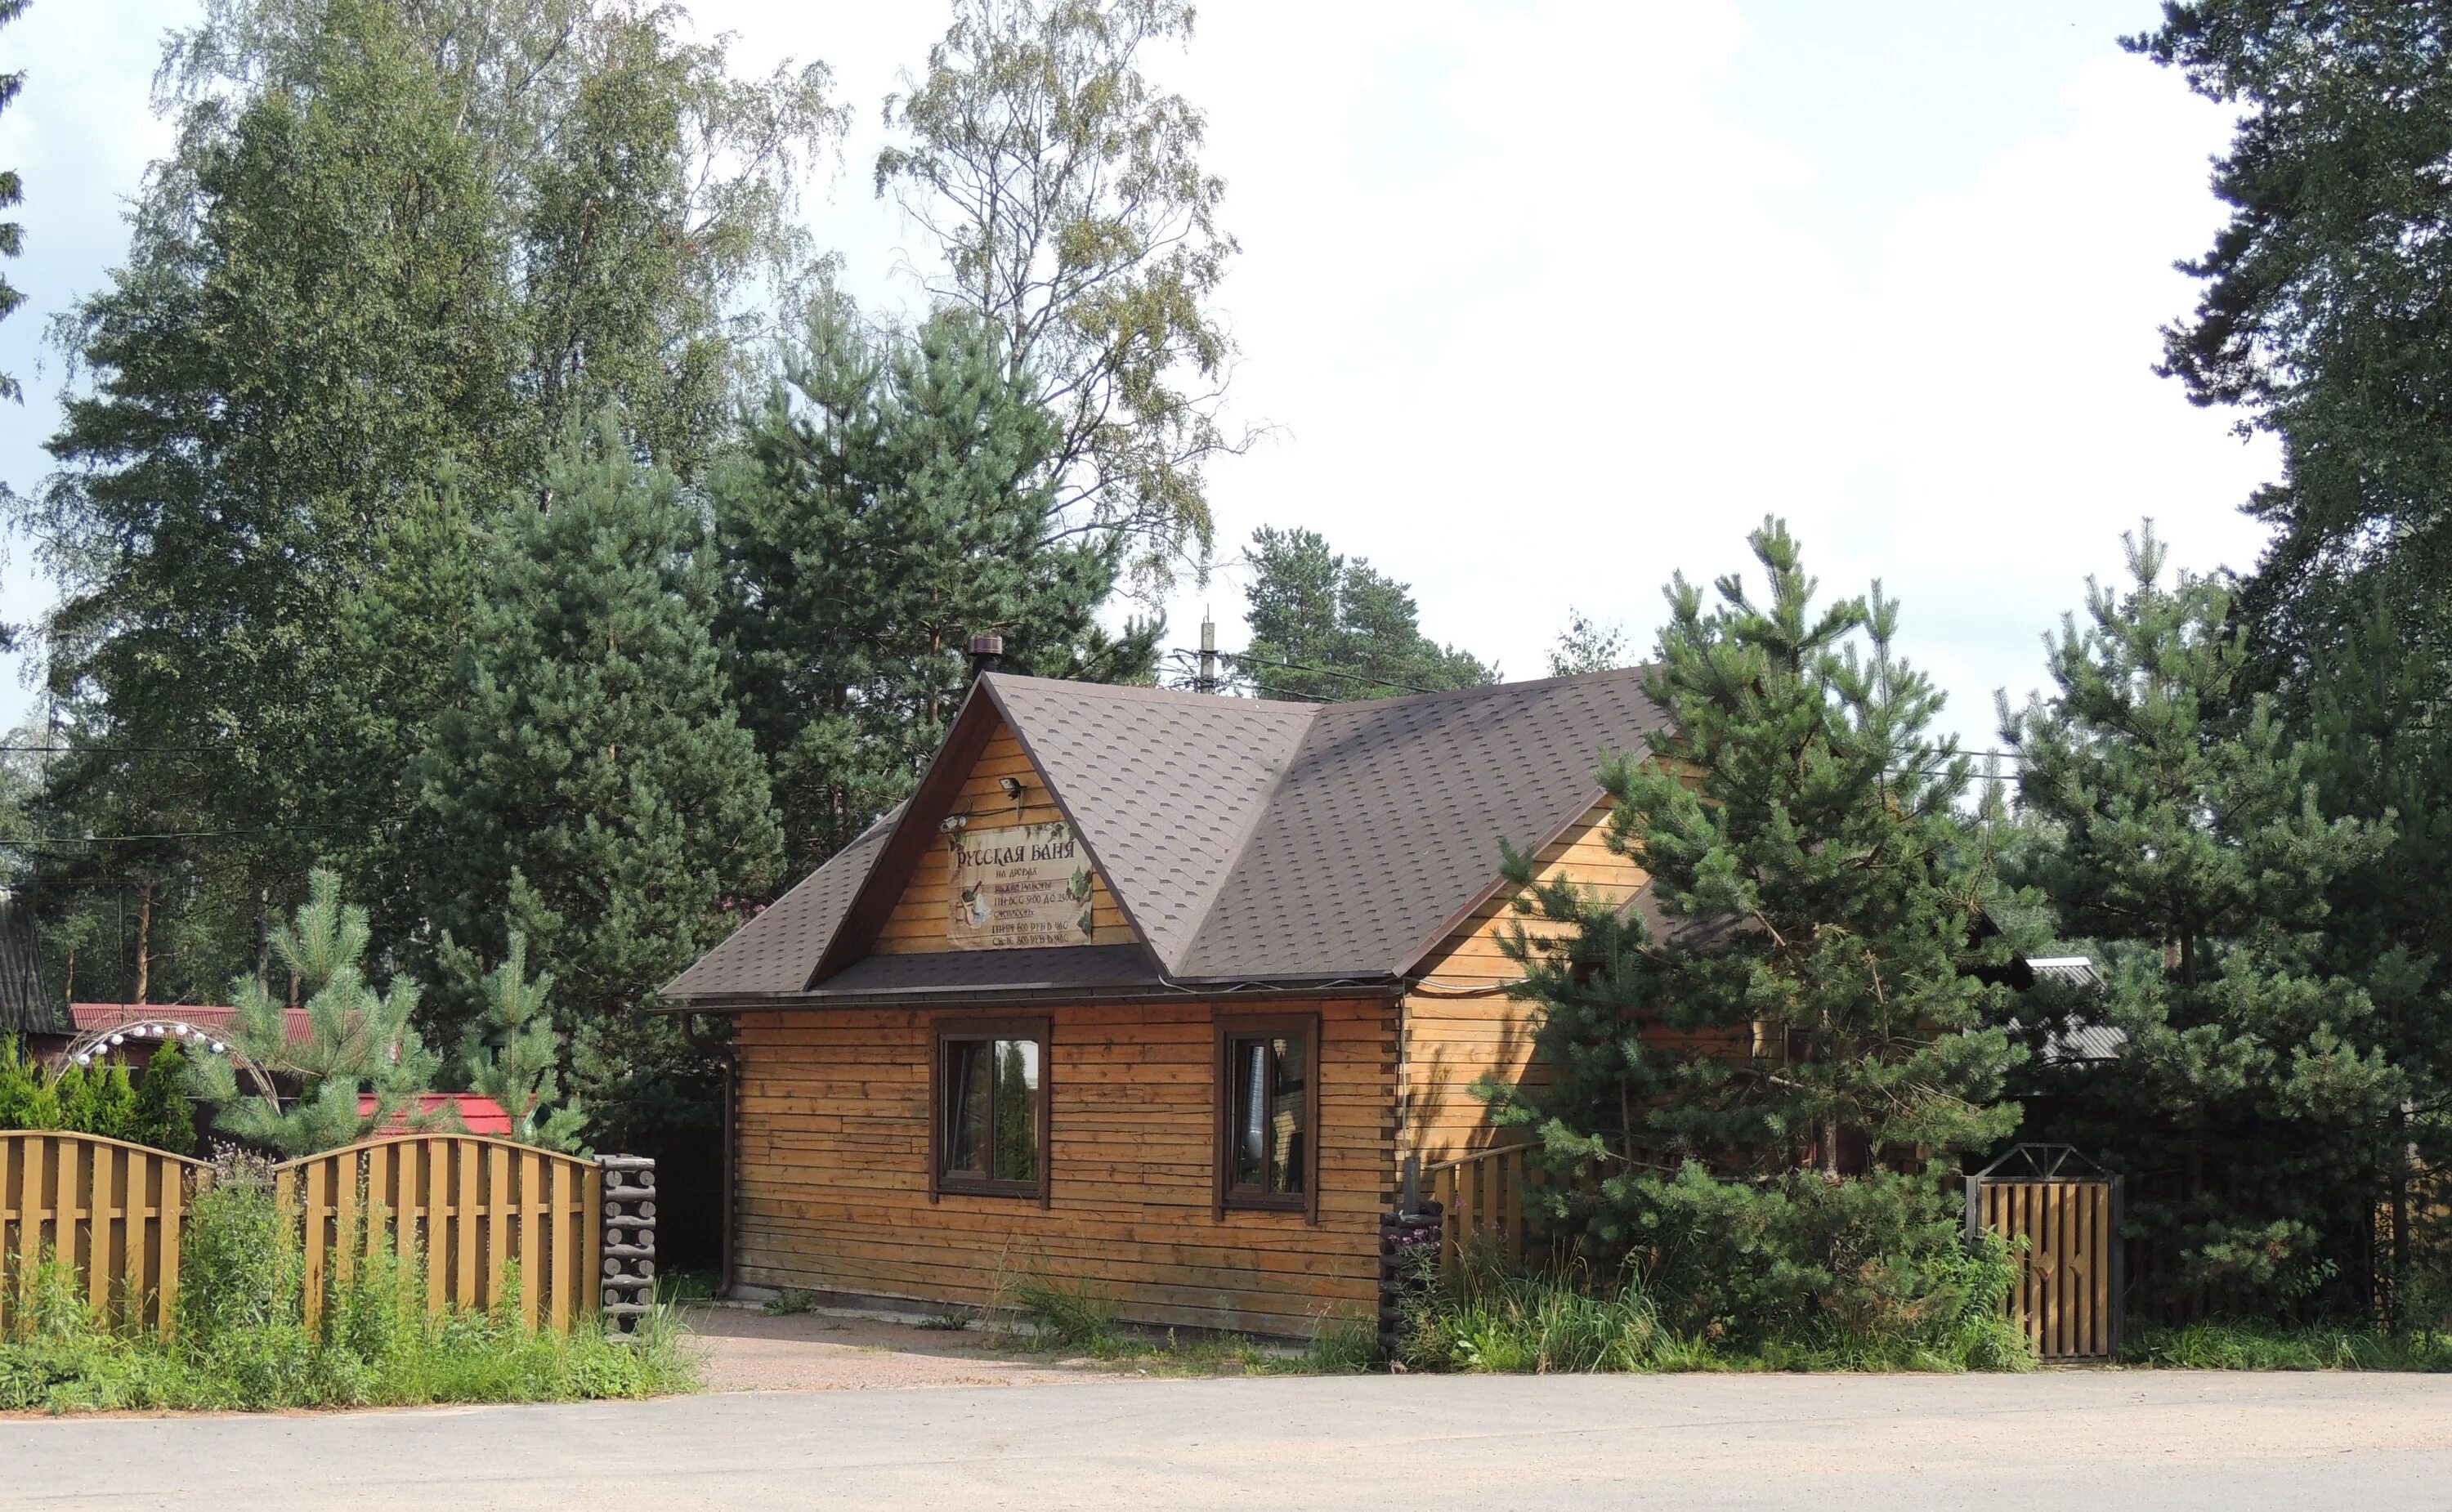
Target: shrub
{"x": 1877, "y": 1262}
{"x": 1798, "y": 1273}
{"x": 99, "y": 1099}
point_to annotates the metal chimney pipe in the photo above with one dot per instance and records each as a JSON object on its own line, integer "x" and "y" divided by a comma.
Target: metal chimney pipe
{"x": 987, "y": 652}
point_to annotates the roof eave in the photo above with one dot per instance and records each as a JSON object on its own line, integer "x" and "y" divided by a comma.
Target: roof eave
{"x": 1138, "y": 992}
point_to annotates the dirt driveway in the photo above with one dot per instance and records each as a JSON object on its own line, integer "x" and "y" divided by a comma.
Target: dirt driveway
{"x": 742, "y": 1349}
{"x": 2091, "y": 1440}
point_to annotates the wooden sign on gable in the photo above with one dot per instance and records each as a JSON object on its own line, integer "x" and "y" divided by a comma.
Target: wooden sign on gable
{"x": 1019, "y": 885}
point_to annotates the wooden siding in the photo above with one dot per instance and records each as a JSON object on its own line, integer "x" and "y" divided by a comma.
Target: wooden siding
{"x": 918, "y": 922}
{"x": 1458, "y": 1030}
{"x": 832, "y": 1151}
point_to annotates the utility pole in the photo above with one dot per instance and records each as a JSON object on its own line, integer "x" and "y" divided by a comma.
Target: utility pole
{"x": 1207, "y": 681}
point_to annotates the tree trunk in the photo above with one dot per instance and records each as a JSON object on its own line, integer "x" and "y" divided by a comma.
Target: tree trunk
{"x": 263, "y": 936}
{"x": 2400, "y": 1261}
{"x": 144, "y": 939}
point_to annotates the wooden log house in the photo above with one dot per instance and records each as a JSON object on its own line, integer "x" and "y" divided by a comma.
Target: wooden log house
{"x": 1151, "y": 991}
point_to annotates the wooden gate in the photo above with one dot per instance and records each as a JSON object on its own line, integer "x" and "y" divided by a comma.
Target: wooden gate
{"x": 2061, "y": 1217}
{"x": 472, "y": 1205}
{"x": 110, "y": 1209}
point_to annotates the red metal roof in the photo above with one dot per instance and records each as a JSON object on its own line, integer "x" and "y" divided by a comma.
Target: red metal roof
{"x": 481, "y": 1114}
{"x": 210, "y": 1018}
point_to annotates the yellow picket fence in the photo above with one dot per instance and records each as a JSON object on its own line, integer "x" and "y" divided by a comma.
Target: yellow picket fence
{"x": 474, "y": 1206}
{"x": 1482, "y": 1196}
{"x": 109, "y": 1208}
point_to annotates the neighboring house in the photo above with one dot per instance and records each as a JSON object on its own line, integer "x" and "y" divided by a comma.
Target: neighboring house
{"x": 26, "y": 1008}
{"x": 1153, "y": 991}
{"x": 478, "y": 1113}
{"x": 204, "y": 1025}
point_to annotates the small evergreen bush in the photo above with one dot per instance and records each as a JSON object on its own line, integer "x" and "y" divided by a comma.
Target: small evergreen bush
{"x": 99, "y": 1099}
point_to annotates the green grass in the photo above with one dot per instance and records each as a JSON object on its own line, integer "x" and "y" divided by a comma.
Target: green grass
{"x": 789, "y": 1301}
{"x": 274, "y": 1366}
{"x": 681, "y": 1288}
{"x": 2272, "y": 1346}
{"x": 1496, "y": 1320}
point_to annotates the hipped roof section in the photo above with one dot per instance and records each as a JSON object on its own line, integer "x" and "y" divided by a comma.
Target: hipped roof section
{"x": 1247, "y": 841}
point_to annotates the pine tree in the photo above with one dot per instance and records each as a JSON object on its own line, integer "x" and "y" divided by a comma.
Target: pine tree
{"x": 2319, "y": 316}
{"x": 2188, "y": 841}
{"x": 510, "y": 1052}
{"x": 162, "y": 1116}
{"x": 1330, "y": 628}
{"x": 893, "y": 499}
{"x": 12, "y": 236}
{"x": 2377, "y": 721}
{"x": 590, "y": 785}
{"x": 1821, "y": 1006}
{"x": 360, "y": 1042}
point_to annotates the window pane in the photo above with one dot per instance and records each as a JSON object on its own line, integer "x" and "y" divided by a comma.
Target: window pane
{"x": 1248, "y": 1157}
{"x": 967, "y": 1108}
{"x": 1017, "y": 1110}
{"x": 1287, "y": 1136}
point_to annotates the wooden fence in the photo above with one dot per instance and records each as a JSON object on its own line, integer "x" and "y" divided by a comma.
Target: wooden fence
{"x": 1482, "y": 1196}
{"x": 471, "y": 1205}
{"x": 2064, "y": 1234}
{"x": 111, "y": 1209}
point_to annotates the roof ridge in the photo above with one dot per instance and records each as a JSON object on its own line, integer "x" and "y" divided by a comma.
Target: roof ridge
{"x": 1485, "y": 689}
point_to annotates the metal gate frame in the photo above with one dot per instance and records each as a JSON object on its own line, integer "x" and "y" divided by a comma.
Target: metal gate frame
{"x": 2061, "y": 1165}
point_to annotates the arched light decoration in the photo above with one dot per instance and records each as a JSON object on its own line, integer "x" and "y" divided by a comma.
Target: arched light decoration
{"x": 96, "y": 1044}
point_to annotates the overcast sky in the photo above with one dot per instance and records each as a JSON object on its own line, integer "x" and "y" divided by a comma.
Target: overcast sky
{"x": 1544, "y": 301}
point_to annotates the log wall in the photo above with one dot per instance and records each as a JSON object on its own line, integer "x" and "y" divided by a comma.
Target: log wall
{"x": 832, "y": 1192}
{"x": 1459, "y": 1027}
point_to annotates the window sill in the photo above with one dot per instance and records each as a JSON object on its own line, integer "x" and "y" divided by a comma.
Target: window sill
{"x": 1301, "y": 1206}
{"x": 982, "y": 1189}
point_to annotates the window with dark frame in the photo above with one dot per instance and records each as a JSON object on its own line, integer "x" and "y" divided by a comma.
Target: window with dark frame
{"x": 989, "y": 1089}
{"x": 1268, "y": 1115}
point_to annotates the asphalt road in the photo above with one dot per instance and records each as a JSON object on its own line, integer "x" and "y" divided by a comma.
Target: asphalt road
{"x": 2078, "y": 1440}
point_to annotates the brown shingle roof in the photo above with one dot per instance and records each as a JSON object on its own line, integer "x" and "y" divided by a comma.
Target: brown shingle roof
{"x": 1385, "y": 831}
{"x": 1249, "y": 839}
{"x": 776, "y": 950}
{"x": 1166, "y": 786}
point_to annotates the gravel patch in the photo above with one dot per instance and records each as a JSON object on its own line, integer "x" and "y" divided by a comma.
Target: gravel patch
{"x": 745, "y": 1349}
